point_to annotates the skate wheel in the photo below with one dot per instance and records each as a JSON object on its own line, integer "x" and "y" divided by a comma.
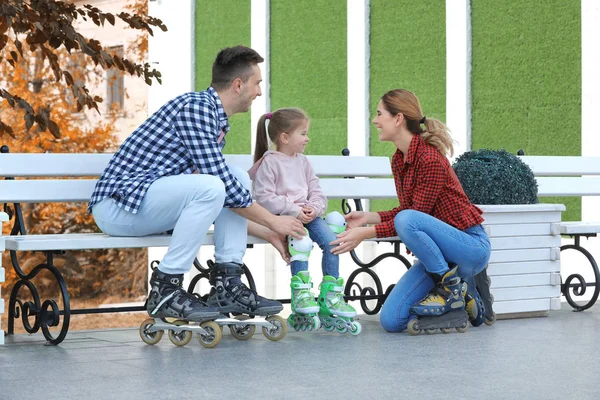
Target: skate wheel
{"x": 413, "y": 327}
{"x": 150, "y": 337}
{"x": 316, "y": 322}
{"x": 446, "y": 330}
{"x": 490, "y": 322}
{"x": 341, "y": 327}
{"x": 462, "y": 329}
{"x": 180, "y": 338}
{"x": 356, "y": 328}
{"x": 243, "y": 332}
{"x": 328, "y": 327}
{"x": 430, "y": 331}
{"x": 213, "y": 334}
{"x": 278, "y": 329}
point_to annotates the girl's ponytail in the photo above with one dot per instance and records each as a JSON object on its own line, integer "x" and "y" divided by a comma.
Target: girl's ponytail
{"x": 262, "y": 142}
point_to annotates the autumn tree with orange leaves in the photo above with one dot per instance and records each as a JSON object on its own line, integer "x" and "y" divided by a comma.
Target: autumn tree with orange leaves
{"x": 45, "y": 67}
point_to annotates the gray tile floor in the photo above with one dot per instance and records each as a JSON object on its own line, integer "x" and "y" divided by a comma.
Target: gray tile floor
{"x": 555, "y": 357}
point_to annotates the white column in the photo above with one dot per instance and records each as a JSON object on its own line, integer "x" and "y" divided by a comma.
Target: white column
{"x": 358, "y": 54}
{"x": 458, "y": 73}
{"x": 173, "y": 53}
{"x": 260, "y": 38}
{"x": 590, "y": 95}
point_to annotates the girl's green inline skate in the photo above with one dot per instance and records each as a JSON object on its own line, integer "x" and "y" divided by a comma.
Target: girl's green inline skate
{"x": 305, "y": 309}
{"x": 334, "y": 312}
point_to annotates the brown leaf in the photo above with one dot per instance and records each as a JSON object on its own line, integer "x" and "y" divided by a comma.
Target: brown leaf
{"x": 54, "y": 129}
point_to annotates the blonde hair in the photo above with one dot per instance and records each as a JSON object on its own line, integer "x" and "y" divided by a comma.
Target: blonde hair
{"x": 436, "y": 133}
{"x": 282, "y": 120}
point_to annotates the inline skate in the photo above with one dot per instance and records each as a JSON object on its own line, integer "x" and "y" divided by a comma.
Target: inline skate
{"x": 334, "y": 312}
{"x": 443, "y": 307}
{"x": 304, "y": 307}
{"x": 179, "y": 313}
{"x": 239, "y": 305}
{"x": 482, "y": 285}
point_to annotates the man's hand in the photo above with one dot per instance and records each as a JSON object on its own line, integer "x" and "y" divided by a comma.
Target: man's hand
{"x": 279, "y": 241}
{"x": 287, "y": 225}
{"x": 281, "y": 245}
{"x": 355, "y": 219}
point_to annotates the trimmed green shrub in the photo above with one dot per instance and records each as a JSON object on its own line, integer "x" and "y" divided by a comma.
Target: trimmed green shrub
{"x": 496, "y": 177}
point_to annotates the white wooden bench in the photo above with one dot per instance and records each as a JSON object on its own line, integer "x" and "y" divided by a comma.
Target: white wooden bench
{"x": 571, "y": 176}
{"x": 71, "y": 178}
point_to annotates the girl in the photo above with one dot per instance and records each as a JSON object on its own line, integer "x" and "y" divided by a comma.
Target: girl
{"x": 435, "y": 220}
{"x": 285, "y": 184}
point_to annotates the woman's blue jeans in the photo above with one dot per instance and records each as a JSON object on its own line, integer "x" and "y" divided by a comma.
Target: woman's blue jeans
{"x": 321, "y": 234}
{"x": 435, "y": 244}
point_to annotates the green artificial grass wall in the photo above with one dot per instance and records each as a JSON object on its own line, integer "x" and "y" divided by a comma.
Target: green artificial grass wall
{"x": 221, "y": 24}
{"x": 309, "y": 69}
{"x": 526, "y": 80}
{"x": 408, "y": 50}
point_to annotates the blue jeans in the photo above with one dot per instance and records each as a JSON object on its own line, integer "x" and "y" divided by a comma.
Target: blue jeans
{"x": 321, "y": 234}
{"x": 435, "y": 244}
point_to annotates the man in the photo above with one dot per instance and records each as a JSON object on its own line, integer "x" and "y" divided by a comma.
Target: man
{"x": 170, "y": 174}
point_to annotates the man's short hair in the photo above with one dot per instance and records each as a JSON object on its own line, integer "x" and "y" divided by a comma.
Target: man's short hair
{"x": 231, "y": 63}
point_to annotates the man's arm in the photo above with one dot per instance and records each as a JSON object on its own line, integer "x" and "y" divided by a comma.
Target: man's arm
{"x": 278, "y": 241}
{"x": 283, "y": 224}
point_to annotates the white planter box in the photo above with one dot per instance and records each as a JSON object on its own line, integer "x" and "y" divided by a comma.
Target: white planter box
{"x": 525, "y": 261}
{"x": 3, "y": 217}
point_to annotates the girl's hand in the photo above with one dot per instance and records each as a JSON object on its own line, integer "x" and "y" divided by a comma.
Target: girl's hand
{"x": 309, "y": 212}
{"x": 355, "y": 219}
{"x": 348, "y": 240}
{"x": 303, "y": 217}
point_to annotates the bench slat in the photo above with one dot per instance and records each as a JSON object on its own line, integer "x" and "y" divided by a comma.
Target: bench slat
{"x": 563, "y": 165}
{"x": 62, "y": 165}
{"x": 80, "y": 190}
{"x": 88, "y": 241}
{"x": 573, "y": 186}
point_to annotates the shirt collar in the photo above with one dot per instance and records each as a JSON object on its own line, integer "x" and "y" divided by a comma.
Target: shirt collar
{"x": 223, "y": 120}
{"x": 412, "y": 149}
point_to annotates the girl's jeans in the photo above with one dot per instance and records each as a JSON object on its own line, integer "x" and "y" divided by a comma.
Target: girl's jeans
{"x": 321, "y": 234}
{"x": 435, "y": 244}
{"x": 187, "y": 204}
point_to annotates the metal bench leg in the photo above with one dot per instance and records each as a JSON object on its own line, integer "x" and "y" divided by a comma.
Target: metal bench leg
{"x": 47, "y": 313}
{"x": 368, "y": 293}
{"x": 579, "y": 289}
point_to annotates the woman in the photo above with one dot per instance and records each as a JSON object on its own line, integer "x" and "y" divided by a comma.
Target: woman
{"x": 435, "y": 220}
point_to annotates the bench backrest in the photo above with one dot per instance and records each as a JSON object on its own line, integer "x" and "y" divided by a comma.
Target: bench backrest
{"x": 565, "y": 175}
{"x": 331, "y": 169}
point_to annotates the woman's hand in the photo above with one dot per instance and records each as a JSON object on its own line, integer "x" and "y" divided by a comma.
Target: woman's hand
{"x": 355, "y": 219}
{"x": 348, "y": 240}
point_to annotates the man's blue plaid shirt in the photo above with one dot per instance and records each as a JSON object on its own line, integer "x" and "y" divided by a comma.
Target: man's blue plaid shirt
{"x": 180, "y": 138}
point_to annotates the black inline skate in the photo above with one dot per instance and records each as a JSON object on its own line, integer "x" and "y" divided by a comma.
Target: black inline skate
{"x": 174, "y": 310}
{"x": 443, "y": 307}
{"x": 231, "y": 297}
